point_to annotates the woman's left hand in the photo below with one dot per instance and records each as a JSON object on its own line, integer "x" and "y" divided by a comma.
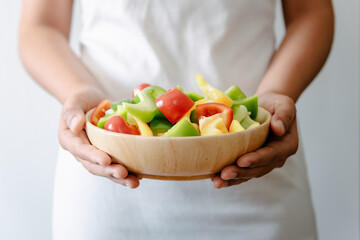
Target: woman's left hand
{"x": 282, "y": 143}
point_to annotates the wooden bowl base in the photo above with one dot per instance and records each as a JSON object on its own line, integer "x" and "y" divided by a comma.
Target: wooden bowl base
{"x": 175, "y": 178}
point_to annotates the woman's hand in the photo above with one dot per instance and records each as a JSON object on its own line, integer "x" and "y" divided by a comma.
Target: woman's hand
{"x": 281, "y": 144}
{"x": 73, "y": 138}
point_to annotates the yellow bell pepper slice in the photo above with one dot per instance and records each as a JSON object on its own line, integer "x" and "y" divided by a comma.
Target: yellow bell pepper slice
{"x": 213, "y": 125}
{"x": 143, "y": 127}
{"x": 213, "y": 93}
{"x": 235, "y": 126}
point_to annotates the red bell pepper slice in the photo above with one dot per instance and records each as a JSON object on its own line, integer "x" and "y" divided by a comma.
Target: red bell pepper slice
{"x": 119, "y": 124}
{"x": 139, "y": 88}
{"x": 174, "y": 104}
{"x": 99, "y": 111}
{"x": 209, "y": 109}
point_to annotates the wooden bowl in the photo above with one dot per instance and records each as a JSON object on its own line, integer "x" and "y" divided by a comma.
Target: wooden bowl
{"x": 178, "y": 158}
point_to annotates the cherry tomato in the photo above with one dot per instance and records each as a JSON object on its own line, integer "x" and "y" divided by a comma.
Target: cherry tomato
{"x": 118, "y": 124}
{"x": 209, "y": 109}
{"x": 99, "y": 111}
{"x": 174, "y": 104}
{"x": 139, "y": 88}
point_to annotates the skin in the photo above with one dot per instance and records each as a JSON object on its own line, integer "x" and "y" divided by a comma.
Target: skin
{"x": 43, "y": 38}
{"x": 300, "y": 57}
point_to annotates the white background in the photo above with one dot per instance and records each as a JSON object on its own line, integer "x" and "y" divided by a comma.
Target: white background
{"x": 329, "y": 120}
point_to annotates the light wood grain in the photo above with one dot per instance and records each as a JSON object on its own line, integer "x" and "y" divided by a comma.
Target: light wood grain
{"x": 181, "y": 158}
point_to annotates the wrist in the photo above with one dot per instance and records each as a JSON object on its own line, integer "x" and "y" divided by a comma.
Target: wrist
{"x": 80, "y": 90}
{"x": 87, "y": 96}
{"x": 271, "y": 91}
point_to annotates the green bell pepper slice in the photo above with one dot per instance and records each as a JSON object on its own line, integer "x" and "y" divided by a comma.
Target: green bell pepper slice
{"x": 160, "y": 126}
{"x": 239, "y": 112}
{"x": 120, "y": 111}
{"x": 235, "y": 93}
{"x": 115, "y": 105}
{"x": 251, "y": 103}
{"x": 194, "y": 117}
{"x": 194, "y": 96}
{"x": 183, "y": 128}
{"x": 145, "y": 110}
{"x": 248, "y": 123}
{"x": 180, "y": 88}
{"x": 154, "y": 91}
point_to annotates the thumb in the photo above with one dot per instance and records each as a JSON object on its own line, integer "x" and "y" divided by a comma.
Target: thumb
{"x": 284, "y": 115}
{"x": 74, "y": 116}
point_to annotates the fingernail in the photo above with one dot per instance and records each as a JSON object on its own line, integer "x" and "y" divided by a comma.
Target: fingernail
{"x": 281, "y": 126}
{"x": 73, "y": 123}
{"x": 244, "y": 164}
{"x": 232, "y": 175}
{"x": 115, "y": 176}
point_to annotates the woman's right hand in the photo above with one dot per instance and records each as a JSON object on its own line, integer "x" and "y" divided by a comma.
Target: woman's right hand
{"x": 73, "y": 138}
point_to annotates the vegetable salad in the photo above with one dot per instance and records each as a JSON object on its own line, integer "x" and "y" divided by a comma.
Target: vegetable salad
{"x": 153, "y": 111}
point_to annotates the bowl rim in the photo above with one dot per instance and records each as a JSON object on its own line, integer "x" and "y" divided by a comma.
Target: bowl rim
{"x": 95, "y": 128}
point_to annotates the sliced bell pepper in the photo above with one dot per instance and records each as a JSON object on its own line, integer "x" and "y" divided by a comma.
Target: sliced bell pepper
{"x": 119, "y": 103}
{"x": 143, "y": 127}
{"x": 194, "y": 96}
{"x": 209, "y": 109}
{"x": 145, "y": 110}
{"x": 240, "y": 112}
{"x": 119, "y": 112}
{"x": 235, "y": 93}
{"x": 236, "y": 127}
{"x": 183, "y": 128}
{"x": 191, "y": 111}
{"x": 119, "y": 124}
{"x": 194, "y": 117}
{"x": 139, "y": 88}
{"x": 99, "y": 111}
{"x": 213, "y": 93}
{"x": 158, "y": 126}
{"x": 213, "y": 125}
{"x": 251, "y": 103}
{"x": 248, "y": 123}
{"x": 174, "y": 104}
{"x": 154, "y": 91}
{"x": 196, "y": 126}
{"x": 180, "y": 88}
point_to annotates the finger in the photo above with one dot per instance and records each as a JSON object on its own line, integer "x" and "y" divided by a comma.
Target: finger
{"x": 235, "y": 172}
{"x": 236, "y": 182}
{"x": 117, "y": 171}
{"x": 220, "y": 183}
{"x": 118, "y": 181}
{"x": 277, "y": 149}
{"x": 284, "y": 115}
{"x": 130, "y": 181}
{"x": 79, "y": 146}
{"x": 73, "y": 115}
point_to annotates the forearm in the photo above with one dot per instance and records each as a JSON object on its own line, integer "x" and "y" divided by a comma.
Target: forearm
{"x": 48, "y": 58}
{"x": 301, "y": 54}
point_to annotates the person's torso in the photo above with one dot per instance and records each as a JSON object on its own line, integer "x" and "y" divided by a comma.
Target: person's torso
{"x": 166, "y": 43}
